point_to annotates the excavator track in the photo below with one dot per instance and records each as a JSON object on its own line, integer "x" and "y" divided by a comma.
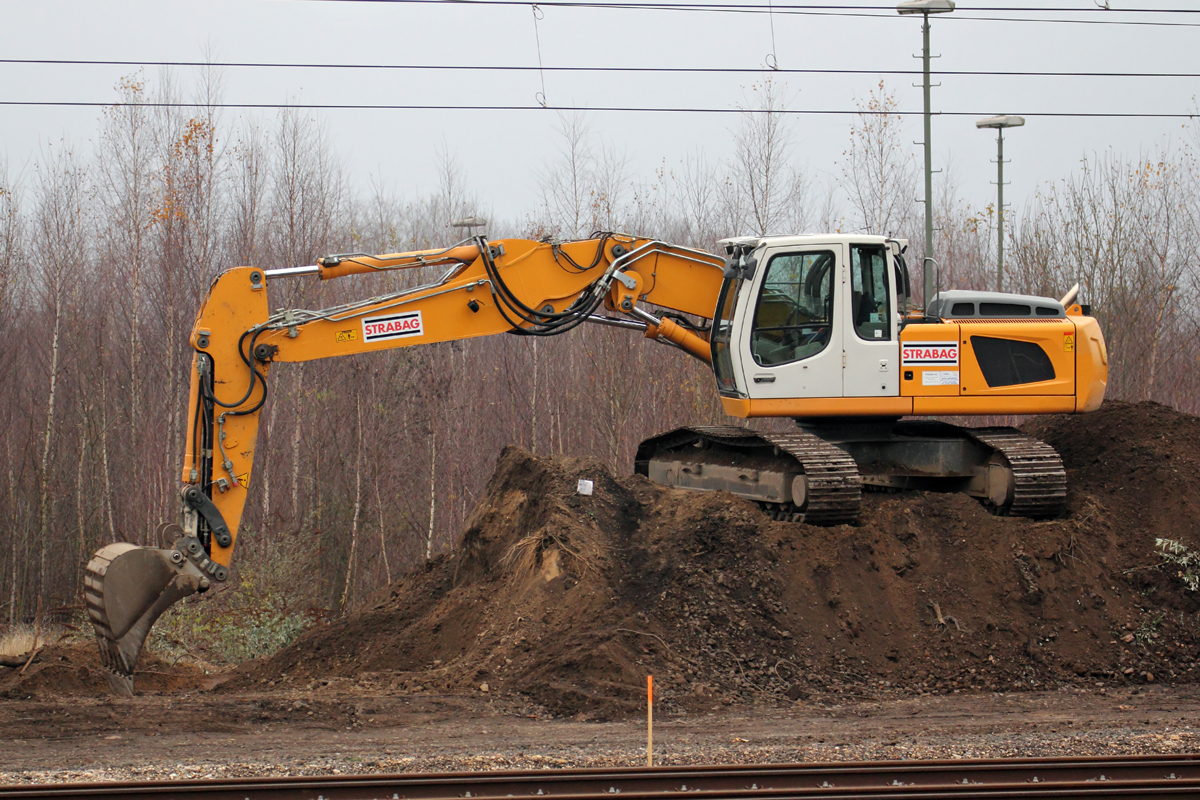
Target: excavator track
{"x": 833, "y": 487}
{"x": 813, "y": 476}
{"x": 1039, "y": 480}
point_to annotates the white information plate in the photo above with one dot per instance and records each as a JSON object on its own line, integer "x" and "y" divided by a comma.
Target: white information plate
{"x": 939, "y": 377}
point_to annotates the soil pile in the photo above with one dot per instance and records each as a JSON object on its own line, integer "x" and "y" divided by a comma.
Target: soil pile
{"x": 571, "y": 600}
{"x": 73, "y": 669}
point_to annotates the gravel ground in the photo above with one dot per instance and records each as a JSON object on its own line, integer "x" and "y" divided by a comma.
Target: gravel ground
{"x": 166, "y": 737}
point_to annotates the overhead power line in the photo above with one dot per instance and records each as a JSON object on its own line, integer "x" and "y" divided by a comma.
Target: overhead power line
{"x": 888, "y": 12}
{"x": 522, "y": 68}
{"x": 623, "y": 109}
{"x": 765, "y": 6}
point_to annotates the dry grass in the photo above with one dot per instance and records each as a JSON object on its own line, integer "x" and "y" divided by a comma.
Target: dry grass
{"x": 17, "y": 640}
{"x": 524, "y": 557}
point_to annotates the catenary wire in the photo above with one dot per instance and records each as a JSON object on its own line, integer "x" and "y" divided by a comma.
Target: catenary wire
{"x": 656, "y": 70}
{"x": 964, "y": 15}
{"x": 592, "y": 109}
{"x": 763, "y": 6}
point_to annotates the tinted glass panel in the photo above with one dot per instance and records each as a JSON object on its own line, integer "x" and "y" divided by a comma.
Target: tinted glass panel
{"x": 795, "y": 308}
{"x": 962, "y": 310}
{"x": 871, "y": 301}
{"x": 721, "y": 331}
{"x": 1006, "y": 362}
{"x": 1003, "y": 310}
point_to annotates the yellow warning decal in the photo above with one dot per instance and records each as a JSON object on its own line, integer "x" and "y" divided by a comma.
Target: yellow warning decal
{"x": 244, "y": 479}
{"x": 347, "y": 336}
{"x": 1069, "y": 342}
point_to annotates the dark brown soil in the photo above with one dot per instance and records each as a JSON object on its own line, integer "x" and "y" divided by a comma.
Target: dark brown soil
{"x": 74, "y": 669}
{"x": 569, "y": 602}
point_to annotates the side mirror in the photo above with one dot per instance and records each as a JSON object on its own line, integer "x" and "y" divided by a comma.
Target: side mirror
{"x": 749, "y": 263}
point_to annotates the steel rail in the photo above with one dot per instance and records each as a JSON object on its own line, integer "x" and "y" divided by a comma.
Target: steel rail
{"x": 1120, "y": 777}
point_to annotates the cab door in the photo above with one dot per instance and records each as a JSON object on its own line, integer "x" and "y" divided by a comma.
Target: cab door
{"x": 870, "y": 324}
{"x": 791, "y": 345}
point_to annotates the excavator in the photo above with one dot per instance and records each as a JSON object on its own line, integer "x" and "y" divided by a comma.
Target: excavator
{"x": 821, "y": 329}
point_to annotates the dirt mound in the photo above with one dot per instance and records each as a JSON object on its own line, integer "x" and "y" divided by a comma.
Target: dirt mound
{"x": 570, "y": 601}
{"x": 73, "y": 669}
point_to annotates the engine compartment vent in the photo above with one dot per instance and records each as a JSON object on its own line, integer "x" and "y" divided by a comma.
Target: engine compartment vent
{"x": 965, "y": 304}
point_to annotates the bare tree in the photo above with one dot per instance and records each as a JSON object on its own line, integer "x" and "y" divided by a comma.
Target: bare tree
{"x": 767, "y": 191}
{"x": 583, "y": 187}
{"x": 879, "y": 171}
{"x": 61, "y": 238}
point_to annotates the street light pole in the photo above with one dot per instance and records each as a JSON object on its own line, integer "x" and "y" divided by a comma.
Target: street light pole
{"x": 928, "y": 273}
{"x": 925, "y": 8}
{"x": 1000, "y": 123}
{"x": 1000, "y": 209}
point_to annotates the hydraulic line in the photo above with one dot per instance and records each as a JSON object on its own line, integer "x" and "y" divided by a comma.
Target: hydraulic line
{"x": 549, "y": 323}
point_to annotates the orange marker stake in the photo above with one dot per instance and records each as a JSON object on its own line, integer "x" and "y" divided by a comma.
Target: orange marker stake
{"x": 649, "y": 720}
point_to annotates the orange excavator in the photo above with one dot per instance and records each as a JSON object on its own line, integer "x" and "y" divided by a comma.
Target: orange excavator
{"x": 818, "y": 328}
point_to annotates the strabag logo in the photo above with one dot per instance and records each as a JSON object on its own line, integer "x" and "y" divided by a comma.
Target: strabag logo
{"x": 393, "y": 326}
{"x": 929, "y": 353}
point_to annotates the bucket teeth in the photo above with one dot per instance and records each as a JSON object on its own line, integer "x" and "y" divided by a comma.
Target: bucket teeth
{"x": 126, "y": 589}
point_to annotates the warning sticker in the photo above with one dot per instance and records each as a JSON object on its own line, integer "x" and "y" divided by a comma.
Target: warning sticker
{"x": 347, "y": 336}
{"x": 917, "y": 353}
{"x": 244, "y": 479}
{"x": 1069, "y": 342}
{"x": 939, "y": 377}
{"x": 393, "y": 326}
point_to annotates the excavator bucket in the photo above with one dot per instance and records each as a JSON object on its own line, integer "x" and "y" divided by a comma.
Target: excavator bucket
{"x": 127, "y": 588}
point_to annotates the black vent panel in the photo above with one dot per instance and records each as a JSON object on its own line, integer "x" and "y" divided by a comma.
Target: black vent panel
{"x": 1004, "y": 310}
{"x": 1007, "y": 362}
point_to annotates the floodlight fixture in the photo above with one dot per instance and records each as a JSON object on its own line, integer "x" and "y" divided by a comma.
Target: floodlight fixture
{"x": 925, "y": 7}
{"x": 1002, "y": 121}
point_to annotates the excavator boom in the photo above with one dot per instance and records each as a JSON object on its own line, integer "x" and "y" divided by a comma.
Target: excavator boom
{"x": 509, "y": 286}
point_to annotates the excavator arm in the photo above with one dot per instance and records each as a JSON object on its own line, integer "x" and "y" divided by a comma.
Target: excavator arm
{"x": 508, "y": 286}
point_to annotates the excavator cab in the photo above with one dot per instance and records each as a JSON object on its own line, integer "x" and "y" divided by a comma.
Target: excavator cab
{"x": 814, "y": 318}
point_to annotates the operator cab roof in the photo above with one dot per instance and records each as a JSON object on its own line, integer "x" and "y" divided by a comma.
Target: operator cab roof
{"x": 799, "y": 240}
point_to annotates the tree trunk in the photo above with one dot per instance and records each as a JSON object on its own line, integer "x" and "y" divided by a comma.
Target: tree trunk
{"x": 263, "y": 454}
{"x": 357, "y": 507}
{"x": 387, "y": 569}
{"x": 12, "y": 509}
{"x": 533, "y": 401}
{"x": 80, "y": 509}
{"x": 432, "y": 494}
{"x": 108, "y": 510}
{"x": 43, "y": 477}
{"x": 296, "y": 438}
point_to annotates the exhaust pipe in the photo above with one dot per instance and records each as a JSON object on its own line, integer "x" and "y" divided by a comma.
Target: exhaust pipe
{"x": 1069, "y": 297}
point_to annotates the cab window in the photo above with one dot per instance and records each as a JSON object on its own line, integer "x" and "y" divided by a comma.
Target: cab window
{"x": 793, "y": 318}
{"x": 722, "y": 330}
{"x": 871, "y": 302}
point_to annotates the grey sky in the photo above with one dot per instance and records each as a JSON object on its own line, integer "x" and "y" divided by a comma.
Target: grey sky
{"x": 500, "y": 152}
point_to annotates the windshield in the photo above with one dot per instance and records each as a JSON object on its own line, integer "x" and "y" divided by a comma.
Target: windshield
{"x": 722, "y": 329}
{"x": 795, "y": 308}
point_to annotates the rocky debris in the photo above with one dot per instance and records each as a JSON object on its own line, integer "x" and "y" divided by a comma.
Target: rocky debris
{"x": 217, "y": 736}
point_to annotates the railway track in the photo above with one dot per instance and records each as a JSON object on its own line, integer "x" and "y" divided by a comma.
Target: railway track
{"x": 1123, "y": 777}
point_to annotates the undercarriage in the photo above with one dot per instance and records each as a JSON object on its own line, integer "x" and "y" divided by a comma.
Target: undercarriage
{"x": 817, "y": 475}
